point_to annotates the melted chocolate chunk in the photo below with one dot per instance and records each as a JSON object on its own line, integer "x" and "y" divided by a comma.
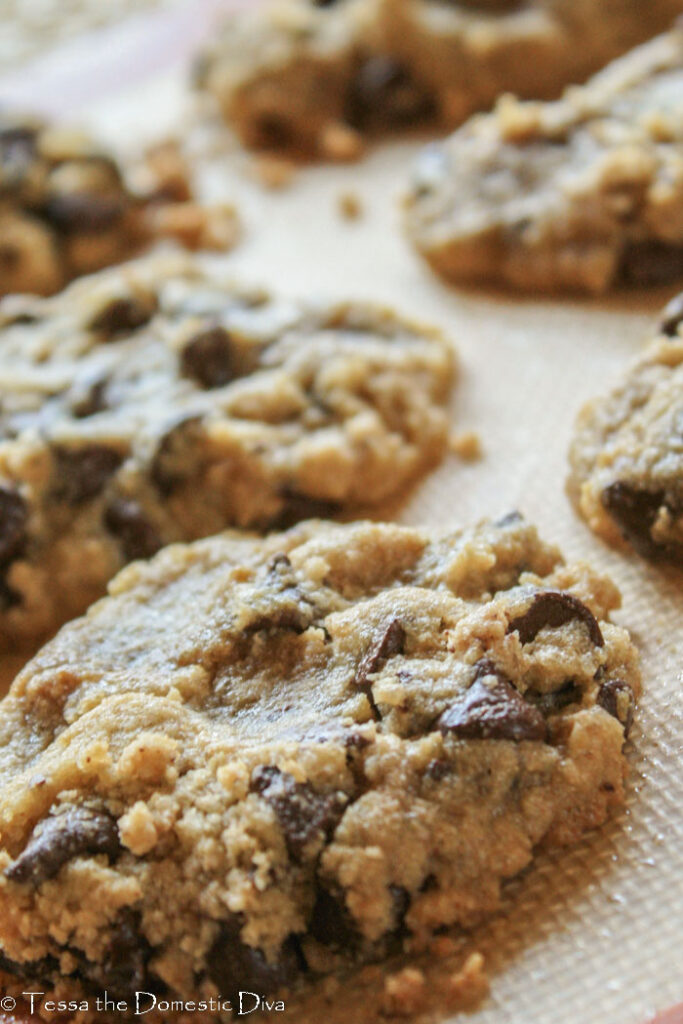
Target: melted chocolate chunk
{"x": 119, "y": 316}
{"x": 208, "y": 358}
{"x": 92, "y": 401}
{"x": 77, "y": 213}
{"x": 13, "y": 519}
{"x": 172, "y": 462}
{"x": 82, "y": 473}
{"x": 383, "y": 92}
{"x": 617, "y": 699}
{"x": 492, "y": 712}
{"x": 672, "y": 317}
{"x": 389, "y": 642}
{"x": 123, "y": 970}
{"x": 302, "y": 813}
{"x": 331, "y": 924}
{"x": 552, "y": 703}
{"x": 39, "y": 970}
{"x": 645, "y": 264}
{"x": 234, "y": 966}
{"x": 300, "y": 506}
{"x": 61, "y": 837}
{"x": 553, "y": 608}
{"x": 8, "y": 596}
{"x": 635, "y": 512}
{"x": 126, "y": 521}
{"x": 273, "y": 131}
{"x": 438, "y": 770}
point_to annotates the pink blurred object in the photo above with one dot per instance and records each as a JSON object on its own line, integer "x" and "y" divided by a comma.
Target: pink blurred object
{"x": 674, "y": 1015}
{"x": 101, "y": 64}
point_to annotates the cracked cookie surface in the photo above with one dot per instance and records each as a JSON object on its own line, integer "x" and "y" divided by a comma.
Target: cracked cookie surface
{"x": 316, "y": 78}
{"x": 259, "y": 760}
{"x": 156, "y": 403}
{"x": 626, "y": 457}
{"x": 582, "y": 194}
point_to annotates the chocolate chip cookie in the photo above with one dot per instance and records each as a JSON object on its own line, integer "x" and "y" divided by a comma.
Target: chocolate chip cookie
{"x": 316, "y": 77}
{"x": 155, "y": 403}
{"x": 66, "y": 208}
{"x": 261, "y": 760}
{"x": 627, "y": 454}
{"x": 583, "y": 194}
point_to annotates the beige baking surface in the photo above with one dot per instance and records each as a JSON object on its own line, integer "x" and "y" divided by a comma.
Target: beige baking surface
{"x": 594, "y": 935}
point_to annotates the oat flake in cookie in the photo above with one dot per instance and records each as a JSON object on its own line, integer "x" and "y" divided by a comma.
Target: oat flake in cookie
{"x": 260, "y": 760}
{"x": 317, "y": 77}
{"x": 582, "y": 194}
{"x": 155, "y": 403}
{"x": 627, "y": 454}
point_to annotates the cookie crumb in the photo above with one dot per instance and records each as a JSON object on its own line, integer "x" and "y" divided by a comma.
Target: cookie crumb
{"x": 350, "y": 206}
{"x": 137, "y": 829}
{"x": 341, "y": 143}
{"x": 467, "y": 987}
{"x": 166, "y": 172}
{"x": 272, "y": 172}
{"x": 466, "y": 446}
{"x": 404, "y": 992}
{"x": 194, "y": 226}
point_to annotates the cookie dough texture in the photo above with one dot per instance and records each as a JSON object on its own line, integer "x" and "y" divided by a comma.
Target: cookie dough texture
{"x": 304, "y": 75}
{"x": 65, "y": 209}
{"x": 582, "y": 194}
{"x": 259, "y": 760}
{"x": 155, "y": 403}
{"x": 626, "y": 458}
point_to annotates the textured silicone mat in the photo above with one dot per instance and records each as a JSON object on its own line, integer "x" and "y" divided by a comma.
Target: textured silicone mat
{"x": 592, "y": 935}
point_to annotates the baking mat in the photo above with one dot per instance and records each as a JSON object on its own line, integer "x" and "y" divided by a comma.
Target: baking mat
{"x": 592, "y": 935}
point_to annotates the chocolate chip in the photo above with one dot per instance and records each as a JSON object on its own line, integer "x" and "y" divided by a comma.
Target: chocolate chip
{"x": 173, "y": 460}
{"x": 208, "y": 358}
{"x": 233, "y": 966}
{"x": 76, "y": 213}
{"x": 302, "y": 813}
{"x": 81, "y": 473}
{"x": 331, "y": 924}
{"x": 121, "y": 315}
{"x": 92, "y": 401}
{"x": 492, "y": 712}
{"x": 635, "y": 512}
{"x": 389, "y": 641}
{"x": 8, "y": 597}
{"x": 552, "y": 703}
{"x": 510, "y": 519}
{"x": 61, "y": 837}
{"x": 672, "y": 317}
{"x": 40, "y": 970}
{"x": 645, "y": 264}
{"x": 126, "y": 521}
{"x": 13, "y": 519}
{"x": 438, "y": 770}
{"x": 552, "y": 609}
{"x": 617, "y": 699}
{"x": 123, "y": 971}
{"x": 400, "y": 903}
{"x": 383, "y": 92}
{"x": 273, "y": 130}
{"x": 300, "y": 506}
